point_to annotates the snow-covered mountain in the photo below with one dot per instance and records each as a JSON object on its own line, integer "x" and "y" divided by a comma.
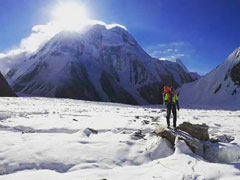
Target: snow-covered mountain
{"x": 100, "y": 64}
{"x": 5, "y": 90}
{"x": 219, "y": 89}
{"x": 179, "y": 61}
{"x": 194, "y": 75}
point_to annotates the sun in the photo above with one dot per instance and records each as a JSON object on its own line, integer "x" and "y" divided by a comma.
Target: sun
{"x": 70, "y": 16}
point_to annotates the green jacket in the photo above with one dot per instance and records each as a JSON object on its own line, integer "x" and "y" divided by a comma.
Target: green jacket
{"x": 174, "y": 100}
{"x": 174, "y": 97}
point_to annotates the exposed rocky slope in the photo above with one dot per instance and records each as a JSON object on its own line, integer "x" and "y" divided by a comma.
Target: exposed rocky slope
{"x": 5, "y": 90}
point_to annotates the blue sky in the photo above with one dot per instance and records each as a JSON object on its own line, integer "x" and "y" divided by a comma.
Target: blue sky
{"x": 200, "y": 32}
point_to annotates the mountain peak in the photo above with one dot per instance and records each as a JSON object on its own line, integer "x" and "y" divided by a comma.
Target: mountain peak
{"x": 179, "y": 61}
{"x": 100, "y": 63}
{"x": 218, "y": 89}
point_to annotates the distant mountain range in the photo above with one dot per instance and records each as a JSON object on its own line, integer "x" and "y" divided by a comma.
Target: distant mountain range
{"x": 218, "y": 89}
{"x": 99, "y": 64}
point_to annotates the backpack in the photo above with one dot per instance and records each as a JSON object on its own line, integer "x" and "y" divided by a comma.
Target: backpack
{"x": 166, "y": 89}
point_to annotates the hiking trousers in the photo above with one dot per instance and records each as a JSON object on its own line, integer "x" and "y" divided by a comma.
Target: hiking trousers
{"x": 171, "y": 108}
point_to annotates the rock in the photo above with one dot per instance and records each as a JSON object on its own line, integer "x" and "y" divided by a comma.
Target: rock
{"x": 194, "y": 144}
{"x": 195, "y": 130}
{"x": 154, "y": 119}
{"x": 167, "y": 134}
{"x": 145, "y": 122}
{"x": 219, "y": 151}
{"x": 138, "y": 135}
{"x": 93, "y": 130}
{"x": 89, "y": 131}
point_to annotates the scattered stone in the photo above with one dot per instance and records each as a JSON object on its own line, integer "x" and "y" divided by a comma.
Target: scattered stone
{"x": 138, "y": 135}
{"x": 195, "y": 130}
{"x": 154, "y": 124}
{"x": 93, "y": 130}
{"x": 145, "y": 122}
{"x": 89, "y": 131}
{"x": 218, "y": 125}
{"x": 197, "y": 118}
{"x": 154, "y": 119}
{"x": 30, "y": 131}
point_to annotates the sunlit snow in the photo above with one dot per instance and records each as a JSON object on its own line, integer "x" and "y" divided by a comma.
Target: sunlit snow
{"x": 68, "y": 139}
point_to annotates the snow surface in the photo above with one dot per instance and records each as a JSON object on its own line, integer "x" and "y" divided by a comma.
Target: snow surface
{"x": 56, "y": 139}
{"x": 205, "y": 92}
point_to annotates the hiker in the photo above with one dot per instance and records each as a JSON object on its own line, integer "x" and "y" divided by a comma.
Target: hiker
{"x": 171, "y": 102}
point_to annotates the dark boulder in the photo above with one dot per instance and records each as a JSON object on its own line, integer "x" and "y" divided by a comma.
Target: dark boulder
{"x": 195, "y": 130}
{"x": 193, "y": 143}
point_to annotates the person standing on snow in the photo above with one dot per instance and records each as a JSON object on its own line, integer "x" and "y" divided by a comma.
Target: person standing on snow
{"x": 171, "y": 102}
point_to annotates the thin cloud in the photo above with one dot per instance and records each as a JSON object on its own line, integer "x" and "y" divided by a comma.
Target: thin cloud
{"x": 171, "y": 50}
{"x": 39, "y": 36}
{"x": 42, "y": 33}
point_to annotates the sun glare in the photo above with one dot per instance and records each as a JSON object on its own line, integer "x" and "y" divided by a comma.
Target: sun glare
{"x": 70, "y": 16}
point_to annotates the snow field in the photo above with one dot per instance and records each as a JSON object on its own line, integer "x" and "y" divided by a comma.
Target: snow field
{"x": 70, "y": 139}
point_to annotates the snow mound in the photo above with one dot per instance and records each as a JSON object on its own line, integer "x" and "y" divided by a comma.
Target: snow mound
{"x": 181, "y": 147}
{"x": 160, "y": 149}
